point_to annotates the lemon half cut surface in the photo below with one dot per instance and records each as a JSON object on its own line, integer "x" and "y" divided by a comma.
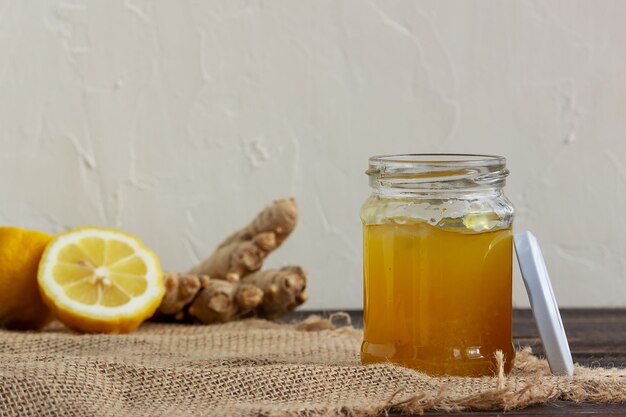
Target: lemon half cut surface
{"x": 98, "y": 280}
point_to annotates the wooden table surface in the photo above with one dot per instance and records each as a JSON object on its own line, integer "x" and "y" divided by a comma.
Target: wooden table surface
{"x": 597, "y": 337}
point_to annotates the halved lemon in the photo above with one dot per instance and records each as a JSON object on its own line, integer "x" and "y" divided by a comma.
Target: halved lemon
{"x": 98, "y": 280}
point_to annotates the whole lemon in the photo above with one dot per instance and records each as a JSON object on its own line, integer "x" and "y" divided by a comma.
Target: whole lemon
{"x": 21, "y": 306}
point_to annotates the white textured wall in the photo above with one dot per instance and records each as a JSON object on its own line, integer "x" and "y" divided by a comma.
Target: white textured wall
{"x": 178, "y": 120}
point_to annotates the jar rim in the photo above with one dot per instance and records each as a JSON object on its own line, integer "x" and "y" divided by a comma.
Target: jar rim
{"x": 437, "y": 172}
{"x": 461, "y": 159}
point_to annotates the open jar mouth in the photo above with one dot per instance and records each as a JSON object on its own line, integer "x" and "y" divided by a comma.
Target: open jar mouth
{"x": 433, "y": 172}
{"x": 440, "y": 158}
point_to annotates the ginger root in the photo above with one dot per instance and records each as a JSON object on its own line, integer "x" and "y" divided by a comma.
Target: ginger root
{"x": 180, "y": 290}
{"x": 283, "y": 290}
{"x": 244, "y": 251}
{"x": 229, "y": 283}
{"x": 222, "y": 301}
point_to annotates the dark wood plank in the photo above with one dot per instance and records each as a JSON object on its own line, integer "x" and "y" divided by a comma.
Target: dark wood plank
{"x": 597, "y": 337}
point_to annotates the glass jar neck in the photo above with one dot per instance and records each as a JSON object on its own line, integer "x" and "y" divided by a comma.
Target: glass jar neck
{"x": 437, "y": 175}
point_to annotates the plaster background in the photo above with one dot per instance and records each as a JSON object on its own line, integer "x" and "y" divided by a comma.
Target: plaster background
{"x": 179, "y": 120}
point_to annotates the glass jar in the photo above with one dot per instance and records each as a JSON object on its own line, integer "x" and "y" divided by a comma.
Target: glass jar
{"x": 437, "y": 263}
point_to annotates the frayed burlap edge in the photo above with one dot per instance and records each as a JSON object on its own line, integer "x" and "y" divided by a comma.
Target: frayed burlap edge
{"x": 587, "y": 385}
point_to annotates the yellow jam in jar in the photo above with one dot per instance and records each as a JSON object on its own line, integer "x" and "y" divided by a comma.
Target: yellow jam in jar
{"x": 437, "y": 264}
{"x": 437, "y": 300}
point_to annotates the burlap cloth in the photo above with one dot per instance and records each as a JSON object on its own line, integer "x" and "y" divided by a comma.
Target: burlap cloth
{"x": 254, "y": 367}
